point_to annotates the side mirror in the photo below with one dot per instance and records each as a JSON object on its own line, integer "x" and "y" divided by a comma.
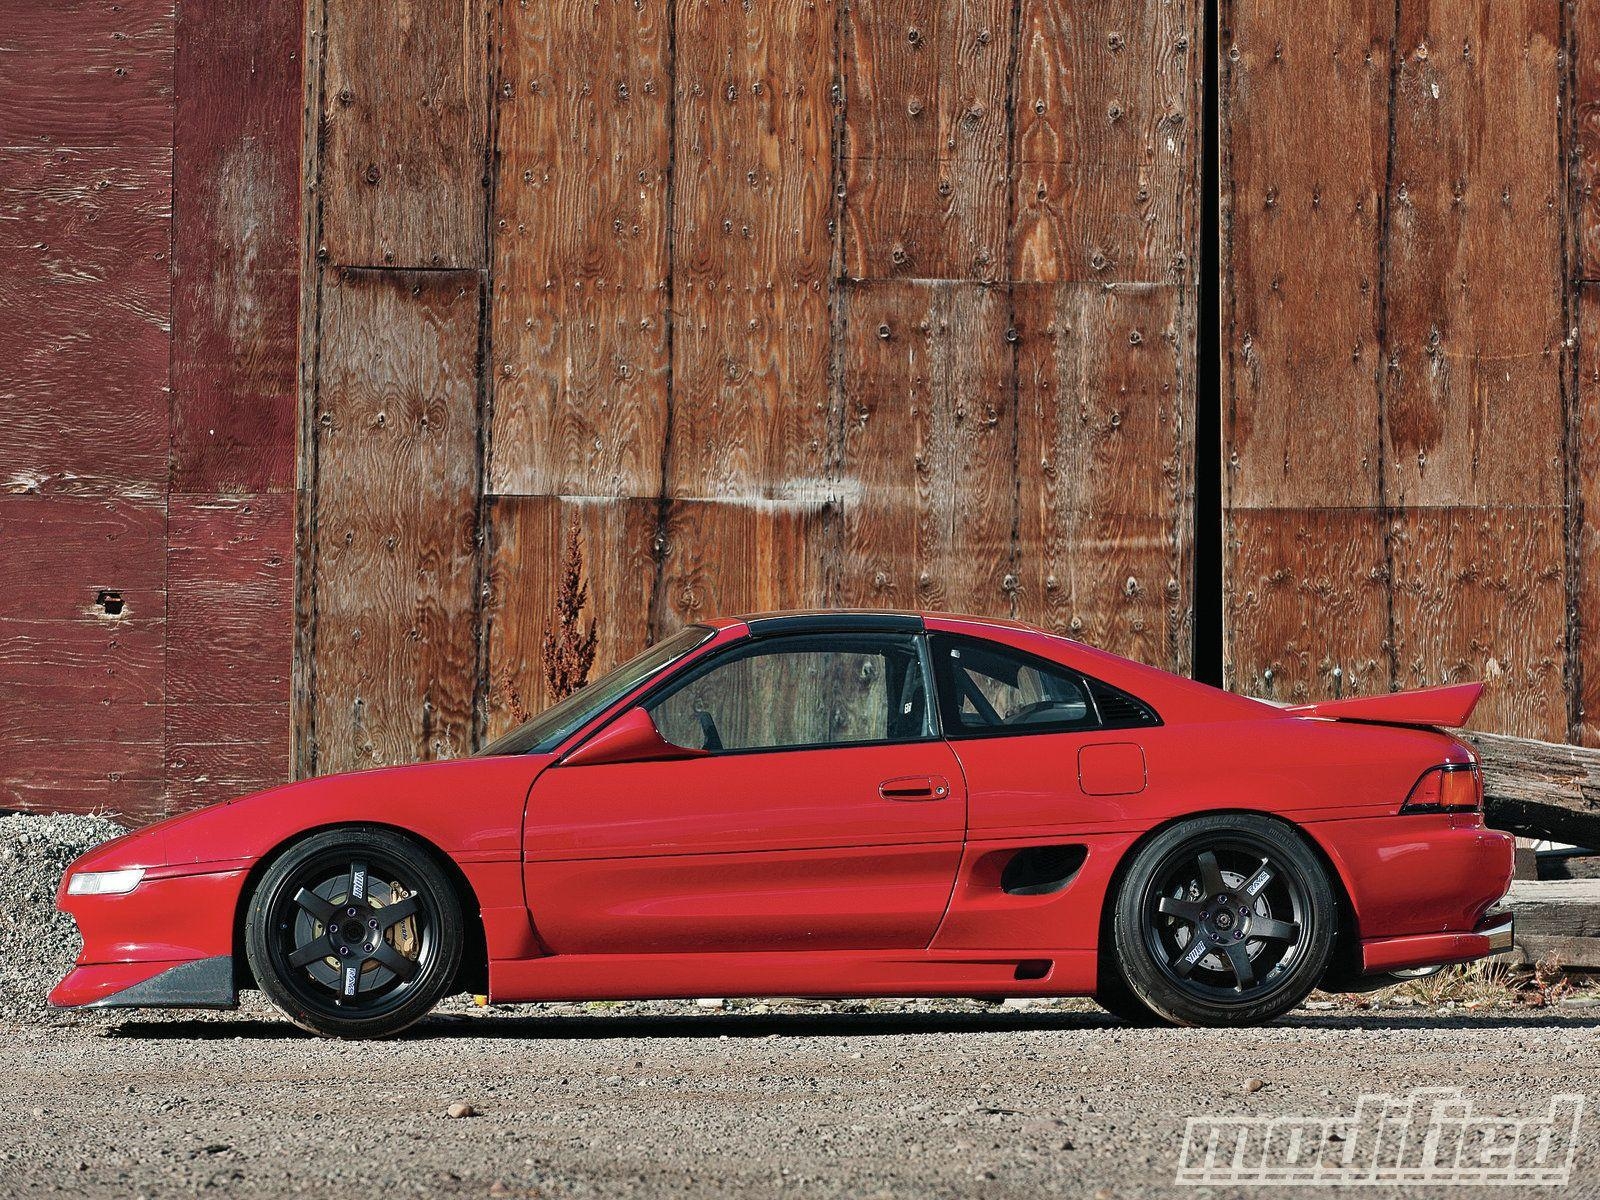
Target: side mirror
{"x": 632, "y": 737}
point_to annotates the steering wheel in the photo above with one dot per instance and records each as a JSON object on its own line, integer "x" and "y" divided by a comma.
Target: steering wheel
{"x": 1021, "y": 716}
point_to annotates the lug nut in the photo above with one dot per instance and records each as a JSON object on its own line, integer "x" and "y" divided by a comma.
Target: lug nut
{"x": 373, "y": 923}
{"x": 349, "y": 912}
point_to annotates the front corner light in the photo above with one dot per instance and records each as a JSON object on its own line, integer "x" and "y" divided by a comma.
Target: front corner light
{"x": 105, "y": 883}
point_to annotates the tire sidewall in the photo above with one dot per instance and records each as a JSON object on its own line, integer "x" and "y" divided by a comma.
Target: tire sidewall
{"x": 439, "y": 972}
{"x": 1152, "y": 987}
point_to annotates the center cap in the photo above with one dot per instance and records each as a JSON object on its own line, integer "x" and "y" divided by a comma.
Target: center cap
{"x": 352, "y": 931}
{"x": 1224, "y": 919}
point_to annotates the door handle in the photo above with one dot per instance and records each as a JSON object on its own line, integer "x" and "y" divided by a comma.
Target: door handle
{"x": 915, "y": 787}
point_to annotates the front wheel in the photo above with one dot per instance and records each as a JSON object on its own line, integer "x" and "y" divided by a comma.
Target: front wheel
{"x": 354, "y": 933}
{"x": 1223, "y": 920}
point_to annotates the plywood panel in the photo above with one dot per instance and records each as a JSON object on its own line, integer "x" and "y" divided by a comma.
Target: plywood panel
{"x": 1105, "y": 173}
{"x": 926, "y": 139}
{"x": 236, "y": 246}
{"x": 1104, "y": 447}
{"x": 1585, "y": 49}
{"x": 928, "y": 473}
{"x": 404, "y": 125}
{"x": 1306, "y": 612}
{"x": 617, "y": 539}
{"x": 1305, "y": 141}
{"x": 1584, "y": 523}
{"x": 580, "y": 253}
{"x": 85, "y": 309}
{"x": 393, "y": 642}
{"x": 1475, "y": 269}
{"x": 1479, "y": 593}
{"x": 726, "y": 557}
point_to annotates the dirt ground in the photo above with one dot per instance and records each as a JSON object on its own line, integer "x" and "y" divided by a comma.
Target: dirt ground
{"x": 891, "y": 1099}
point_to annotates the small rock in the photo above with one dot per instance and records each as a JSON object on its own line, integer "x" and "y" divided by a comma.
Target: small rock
{"x": 460, "y": 1109}
{"x": 1252, "y": 1086}
{"x": 710, "y": 1002}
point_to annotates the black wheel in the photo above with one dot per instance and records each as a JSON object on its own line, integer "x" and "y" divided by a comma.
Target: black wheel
{"x": 354, "y": 933}
{"x": 1223, "y": 920}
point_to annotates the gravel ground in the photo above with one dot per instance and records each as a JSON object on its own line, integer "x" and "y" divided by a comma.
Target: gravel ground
{"x": 908, "y": 1098}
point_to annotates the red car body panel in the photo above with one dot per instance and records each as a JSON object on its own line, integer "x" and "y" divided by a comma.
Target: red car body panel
{"x": 844, "y": 871}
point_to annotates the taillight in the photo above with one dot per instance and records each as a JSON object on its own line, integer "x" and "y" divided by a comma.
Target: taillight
{"x": 1452, "y": 787}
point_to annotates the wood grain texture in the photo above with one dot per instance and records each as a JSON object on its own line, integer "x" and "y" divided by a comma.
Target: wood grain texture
{"x": 1105, "y": 169}
{"x": 404, "y": 126}
{"x": 1105, "y": 438}
{"x": 1584, "y": 524}
{"x": 236, "y": 246}
{"x": 1539, "y": 789}
{"x": 1475, "y": 268}
{"x": 393, "y": 642}
{"x": 85, "y": 313}
{"x": 738, "y": 556}
{"x": 1305, "y": 613}
{"x": 1479, "y": 593}
{"x": 580, "y": 251}
{"x": 530, "y": 538}
{"x": 1585, "y": 48}
{"x": 927, "y": 477}
{"x": 1305, "y": 144}
{"x": 926, "y": 170}
{"x": 86, "y": 73}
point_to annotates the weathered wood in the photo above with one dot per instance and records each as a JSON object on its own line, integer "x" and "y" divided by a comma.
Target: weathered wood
{"x": 928, "y": 478}
{"x": 404, "y": 124}
{"x": 926, "y": 139}
{"x": 85, "y": 307}
{"x": 1105, "y": 179}
{"x": 580, "y": 323}
{"x": 1584, "y": 45}
{"x": 617, "y": 540}
{"x": 1104, "y": 442}
{"x": 393, "y": 643}
{"x": 1479, "y": 594}
{"x": 1584, "y": 522}
{"x": 1567, "y": 908}
{"x": 737, "y": 556}
{"x": 1540, "y": 789}
{"x": 235, "y": 246}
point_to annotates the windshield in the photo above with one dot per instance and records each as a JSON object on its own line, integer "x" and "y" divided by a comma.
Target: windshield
{"x": 555, "y": 724}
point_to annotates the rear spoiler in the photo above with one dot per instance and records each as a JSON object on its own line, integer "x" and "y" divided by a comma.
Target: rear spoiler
{"x": 1447, "y": 706}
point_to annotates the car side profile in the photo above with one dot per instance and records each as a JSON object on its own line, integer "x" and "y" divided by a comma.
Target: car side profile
{"x": 832, "y": 804}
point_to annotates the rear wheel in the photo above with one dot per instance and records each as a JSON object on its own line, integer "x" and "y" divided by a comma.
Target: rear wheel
{"x": 1223, "y": 920}
{"x": 354, "y": 933}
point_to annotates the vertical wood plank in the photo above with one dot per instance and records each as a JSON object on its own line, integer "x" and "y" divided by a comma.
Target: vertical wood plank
{"x": 1584, "y": 525}
{"x": 926, "y": 139}
{"x": 1584, "y": 43}
{"x": 1105, "y": 436}
{"x": 580, "y": 252}
{"x": 393, "y": 643}
{"x": 404, "y": 125}
{"x": 1106, "y": 180}
{"x": 928, "y": 488}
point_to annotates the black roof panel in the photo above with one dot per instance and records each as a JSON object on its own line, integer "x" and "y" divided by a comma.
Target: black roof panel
{"x": 833, "y": 621}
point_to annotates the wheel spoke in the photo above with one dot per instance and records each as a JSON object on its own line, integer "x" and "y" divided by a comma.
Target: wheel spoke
{"x": 1274, "y": 931}
{"x": 357, "y": 891}
{"x": 1239, "y": 960}
{"x": 1190, "y": 956}
{"x": 1257, "y": 882}
{"x": 1184, "y": 910}
{"x": 402, "y": 966}
{"x": 315, "y": 905}
{"x": 1211, "y": 874}
{"x": 352, "y": 977}
{"x": 393, "y": 914}
{"x": 320, "y": 947}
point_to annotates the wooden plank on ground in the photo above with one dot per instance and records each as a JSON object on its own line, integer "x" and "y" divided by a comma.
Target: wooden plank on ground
{"x": 236, "y": 246}
{"x": 1105, "y": 442}
{"x": 85, "y": 310}
{"x": 617, "y": 543}
{"x": 580, "y": 253}
{"x": 404, "y": 124}
{"x": 393, "y": 638}
{"x": 1106, "y": 136}
{"x": 928, "y": 472}
{"x": 1540, "y": 789}
{"x": 926, "y": 144}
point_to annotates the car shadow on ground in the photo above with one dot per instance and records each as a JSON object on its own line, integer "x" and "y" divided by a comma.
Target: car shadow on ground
{"x": 601, "y": 1027}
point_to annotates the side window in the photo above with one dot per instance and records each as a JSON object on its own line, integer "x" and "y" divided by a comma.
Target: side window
{"x": 814, "y": 690}
{"x": 987, "y": 688}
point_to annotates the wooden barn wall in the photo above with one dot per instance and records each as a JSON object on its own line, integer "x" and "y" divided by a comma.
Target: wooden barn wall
{"x": 784, "y": 303}
{"x": 1408, "y": 387}
{"x": 150, "y": 226}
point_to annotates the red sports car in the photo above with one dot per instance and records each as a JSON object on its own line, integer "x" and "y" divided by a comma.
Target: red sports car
{"x": 832, "y": 804}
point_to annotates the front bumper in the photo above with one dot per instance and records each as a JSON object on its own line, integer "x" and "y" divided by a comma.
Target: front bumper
{"x": 1493, "y": 934}
{"x": 198, "y": 983}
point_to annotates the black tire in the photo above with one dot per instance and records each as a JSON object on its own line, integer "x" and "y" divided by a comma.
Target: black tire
{"x": 1113, "y": 996}
{"x": 1189, "y": 903}
{"x": 329, "y": 893}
